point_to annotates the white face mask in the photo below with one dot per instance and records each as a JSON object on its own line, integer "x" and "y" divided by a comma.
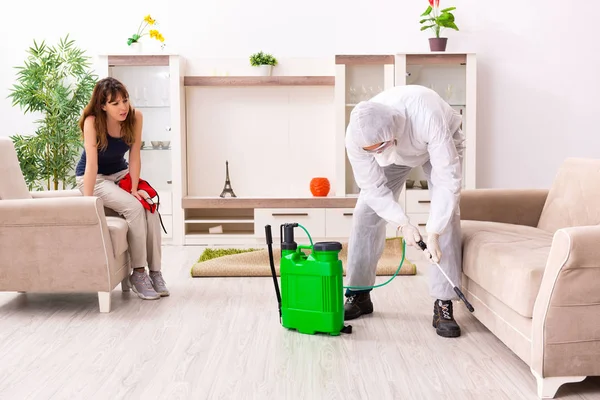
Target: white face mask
{"x": 387, "y": 157}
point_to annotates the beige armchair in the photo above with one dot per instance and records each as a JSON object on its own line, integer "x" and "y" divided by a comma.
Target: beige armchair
{"x": 531, "y": 269}
{"x": 57, "y": 241}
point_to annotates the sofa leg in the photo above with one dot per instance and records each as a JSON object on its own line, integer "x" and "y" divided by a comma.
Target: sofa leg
{"x": 126, "y": 284}
{"x": 547, "y": 387}
{"x": 104, "y": 301}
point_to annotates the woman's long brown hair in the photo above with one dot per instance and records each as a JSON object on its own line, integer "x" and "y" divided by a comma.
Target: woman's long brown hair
{"x": 105, "y": 90}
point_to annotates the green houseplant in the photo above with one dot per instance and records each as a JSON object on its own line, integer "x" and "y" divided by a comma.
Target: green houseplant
{"x": 264, "y": 62}
{"x": 54, "y": 82}
{"x": 437, "y": 20}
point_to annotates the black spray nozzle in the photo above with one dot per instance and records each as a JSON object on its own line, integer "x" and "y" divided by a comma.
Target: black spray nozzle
{"x": 287, "y": 237}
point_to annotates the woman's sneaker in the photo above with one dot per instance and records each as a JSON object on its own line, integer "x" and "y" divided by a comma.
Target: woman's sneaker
{"x": 142, "y": 285}
{"x": 159, "y": 284}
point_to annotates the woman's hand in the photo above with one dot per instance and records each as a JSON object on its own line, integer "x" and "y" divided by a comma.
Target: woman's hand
{"x": 140, "y": 195}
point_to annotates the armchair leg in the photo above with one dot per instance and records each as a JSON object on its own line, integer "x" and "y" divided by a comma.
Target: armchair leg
{"x": 126, "y": 284}
{"x": 104, "y": 301}
{"x": 547, "y": 387}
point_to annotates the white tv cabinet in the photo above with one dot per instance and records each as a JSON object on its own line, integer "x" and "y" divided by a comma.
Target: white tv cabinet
{"x": 278, "y": 132}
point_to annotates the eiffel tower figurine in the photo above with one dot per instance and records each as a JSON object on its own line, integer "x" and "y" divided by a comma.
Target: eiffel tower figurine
{"x": 227, "y": 188}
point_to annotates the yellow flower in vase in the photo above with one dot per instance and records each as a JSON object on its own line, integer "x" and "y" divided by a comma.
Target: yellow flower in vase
{"x": 153, "y": 33}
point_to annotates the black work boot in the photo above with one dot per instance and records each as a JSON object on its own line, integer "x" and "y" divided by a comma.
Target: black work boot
{"x": 357, "y": 305}
{"x": 443, "y": 319}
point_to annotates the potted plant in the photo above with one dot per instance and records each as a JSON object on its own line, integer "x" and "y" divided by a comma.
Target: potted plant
{"x": 437, "y": 20}
{"x": 264, "y": 62}
{"x": 56, "y": 84}
{"x": 134, "y": 41}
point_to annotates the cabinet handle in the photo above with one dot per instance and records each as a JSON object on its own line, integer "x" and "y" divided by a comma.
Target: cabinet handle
{"x": 169, "y": 182}
{"x": 424, "y": 201}
{"x": 289, "y": 214}
{"x": 348, "y": 214}
{"x": 422, "y": 224}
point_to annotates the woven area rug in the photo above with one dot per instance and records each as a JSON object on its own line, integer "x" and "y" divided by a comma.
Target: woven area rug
{"x": 256, "y": 263}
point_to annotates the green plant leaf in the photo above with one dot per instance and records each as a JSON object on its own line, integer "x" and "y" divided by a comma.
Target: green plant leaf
{"x": 427, "y": 12}
{"x": 448, "y": 24}
{"x": 448, "y": 9}
{"x": 446, "y": 17}
{"x": 262, "y": 58}
{"x": 427, "y": 27}
{"x": 425, "y": 20}
{"x": 452, "y": 25}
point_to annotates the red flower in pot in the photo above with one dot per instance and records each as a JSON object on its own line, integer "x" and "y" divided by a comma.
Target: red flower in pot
{"x": 437, "y": 20}
{"x": 320, "y": 187}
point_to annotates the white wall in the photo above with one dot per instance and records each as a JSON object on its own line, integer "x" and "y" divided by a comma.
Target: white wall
{"x": 539, "y": 65}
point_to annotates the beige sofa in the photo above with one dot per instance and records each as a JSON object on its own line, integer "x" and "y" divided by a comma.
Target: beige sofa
{"x": 57, "y": 241}
{"x": 531, "y": 269}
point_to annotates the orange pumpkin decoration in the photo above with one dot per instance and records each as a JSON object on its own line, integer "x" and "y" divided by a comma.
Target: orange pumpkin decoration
{"x": 320, "y": 187}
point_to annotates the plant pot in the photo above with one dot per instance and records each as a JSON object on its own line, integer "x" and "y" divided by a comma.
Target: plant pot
{"x": 438, "y": 44}
{"x": 135, "y": 47}
{"x": 265, "y": 70}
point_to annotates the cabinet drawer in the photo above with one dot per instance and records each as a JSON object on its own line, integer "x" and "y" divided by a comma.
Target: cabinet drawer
{"x": 313, "y": 219}
{"x": 338, "y": 222}
{"x": 417, "y": 201}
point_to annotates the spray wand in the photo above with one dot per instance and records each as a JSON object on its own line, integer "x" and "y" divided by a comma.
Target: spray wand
{"x": 460, "y": 294}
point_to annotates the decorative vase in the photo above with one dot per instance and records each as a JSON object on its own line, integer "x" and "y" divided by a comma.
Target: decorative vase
{"x": 265, "y": 70}
{"x": 438, "y": 44}
{"x": 320, "y": 187}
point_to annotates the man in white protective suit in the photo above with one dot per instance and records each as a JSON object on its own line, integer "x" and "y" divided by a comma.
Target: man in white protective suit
{"x": 397, "y": 130}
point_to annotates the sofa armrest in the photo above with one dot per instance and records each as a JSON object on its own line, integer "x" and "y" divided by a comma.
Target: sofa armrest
{"x": 43, "y": 194}
{"x": 51, "y": 211}
{"x": 511, "y": 206}
{"x": 55, "y": 244}
{"x": 566, "y": 314}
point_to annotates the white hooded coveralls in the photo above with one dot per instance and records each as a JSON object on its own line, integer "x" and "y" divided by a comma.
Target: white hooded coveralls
{"x": 427, "y": 133}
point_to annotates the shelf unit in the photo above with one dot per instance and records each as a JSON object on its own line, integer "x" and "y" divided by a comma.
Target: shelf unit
{"x": 278, "y": 132}
{"x": 154, "y": 83}
{"x": 265, "y": 127}
{"x": 243, "y": 220}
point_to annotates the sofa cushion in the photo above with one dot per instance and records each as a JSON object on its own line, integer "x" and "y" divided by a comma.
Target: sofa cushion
{"x": 506, "y": 260}
{"x": 117, "y": 228}
{"x": 573, "y": 197}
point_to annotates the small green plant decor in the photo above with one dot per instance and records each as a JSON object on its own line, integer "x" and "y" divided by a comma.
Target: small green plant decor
{"x": 437, "y": 20}
{"x": 55, "y": 83}
{"x": 264, "y": 61}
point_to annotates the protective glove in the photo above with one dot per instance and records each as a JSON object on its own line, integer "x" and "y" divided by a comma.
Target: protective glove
{"x": 411, "y": 235}
{"x": 433, "y": 251}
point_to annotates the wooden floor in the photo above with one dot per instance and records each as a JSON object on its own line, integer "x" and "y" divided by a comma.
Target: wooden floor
{"x": 221, "y": 339}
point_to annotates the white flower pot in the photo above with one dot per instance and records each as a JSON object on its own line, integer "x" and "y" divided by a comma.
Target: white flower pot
{"x": 265, "y": 70}
{"x": 135, "y": 48}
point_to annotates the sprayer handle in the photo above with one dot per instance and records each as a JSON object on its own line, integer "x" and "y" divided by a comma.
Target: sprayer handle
{"x": 422, "y": 245}
{"x": 268, "y": 234}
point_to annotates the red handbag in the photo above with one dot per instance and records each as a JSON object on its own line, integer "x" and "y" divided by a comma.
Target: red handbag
{"x": 148, "y": 203}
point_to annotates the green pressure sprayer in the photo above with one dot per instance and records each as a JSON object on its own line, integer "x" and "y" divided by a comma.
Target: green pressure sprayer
{"x": 312, "y": 293}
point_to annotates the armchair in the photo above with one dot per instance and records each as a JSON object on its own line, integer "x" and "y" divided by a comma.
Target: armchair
{"x": 57, "y": 241}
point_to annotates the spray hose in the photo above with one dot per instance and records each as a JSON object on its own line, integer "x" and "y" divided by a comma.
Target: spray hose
{"x": 367, "y": 287}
